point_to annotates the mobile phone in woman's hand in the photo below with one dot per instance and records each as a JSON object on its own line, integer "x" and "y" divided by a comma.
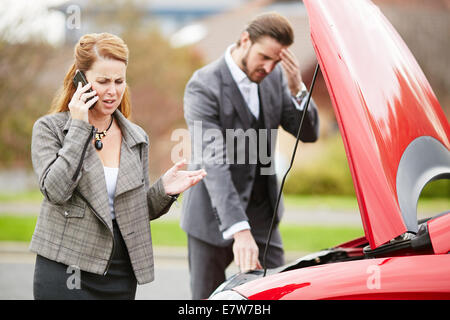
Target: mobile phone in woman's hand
{"x": 80, "y": 77}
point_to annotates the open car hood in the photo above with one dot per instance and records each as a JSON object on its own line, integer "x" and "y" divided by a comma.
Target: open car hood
{"x": 395, "y": 134}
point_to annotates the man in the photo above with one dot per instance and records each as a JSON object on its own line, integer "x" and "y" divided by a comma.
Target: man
{"x": 243, "y": 96}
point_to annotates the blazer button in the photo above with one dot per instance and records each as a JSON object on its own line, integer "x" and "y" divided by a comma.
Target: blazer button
{"x": 245, "y": 198}
{"x": 250, "y": 178}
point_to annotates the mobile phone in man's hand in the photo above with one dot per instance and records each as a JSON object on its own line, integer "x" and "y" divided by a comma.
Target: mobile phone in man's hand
{"x": 80, "y": 77}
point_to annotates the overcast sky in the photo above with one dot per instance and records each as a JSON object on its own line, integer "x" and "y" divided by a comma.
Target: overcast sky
{"x": 36, "y": 20}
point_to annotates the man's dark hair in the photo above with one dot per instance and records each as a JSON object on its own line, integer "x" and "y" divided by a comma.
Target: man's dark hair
{"x": 273, "y": 25}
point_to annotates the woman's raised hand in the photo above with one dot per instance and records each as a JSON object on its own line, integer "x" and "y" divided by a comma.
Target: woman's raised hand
{"x": 78, "y": 106}
{"x": 176, "y": 181}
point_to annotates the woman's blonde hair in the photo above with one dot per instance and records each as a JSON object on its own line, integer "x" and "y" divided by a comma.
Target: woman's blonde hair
{"x": 89, "y": 48}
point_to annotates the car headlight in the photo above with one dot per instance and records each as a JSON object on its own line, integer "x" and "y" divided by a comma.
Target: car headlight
{"x": 227, "y": 295}
{"x": 237, "y": 280}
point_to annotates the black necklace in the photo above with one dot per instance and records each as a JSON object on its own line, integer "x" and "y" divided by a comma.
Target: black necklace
{"x": 99, "y": 135}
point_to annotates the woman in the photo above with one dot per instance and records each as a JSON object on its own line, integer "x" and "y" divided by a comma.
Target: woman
{"x": 92, "y": 236}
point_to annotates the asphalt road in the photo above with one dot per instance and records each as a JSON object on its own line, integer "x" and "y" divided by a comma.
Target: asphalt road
{"x": 171, "y": 273}
{"x": 171, "y": 267}
{"x": 171, "y": 277}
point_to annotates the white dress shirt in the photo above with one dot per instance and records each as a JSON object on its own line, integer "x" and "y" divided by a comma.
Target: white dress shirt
{"x": 248, "y": 88}
{"x": 249, "y": 91}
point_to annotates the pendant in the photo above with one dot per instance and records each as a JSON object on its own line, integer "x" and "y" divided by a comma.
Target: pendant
{"x": 98, "y": 144}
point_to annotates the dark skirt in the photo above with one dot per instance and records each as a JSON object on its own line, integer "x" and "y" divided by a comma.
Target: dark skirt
{"x": 57, "y": 281}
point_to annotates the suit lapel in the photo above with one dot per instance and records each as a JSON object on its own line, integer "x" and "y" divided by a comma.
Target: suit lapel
{"x": 267, "y": 107}
{"x": 265, "y": 103}
{"x": 234, "y": 95}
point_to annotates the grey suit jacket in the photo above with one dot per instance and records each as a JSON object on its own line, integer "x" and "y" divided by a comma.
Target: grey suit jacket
{"x": 74, "y": 226}
{"x": 213, "y": 103}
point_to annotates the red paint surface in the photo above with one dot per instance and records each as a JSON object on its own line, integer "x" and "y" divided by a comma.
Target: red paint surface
{"x": 382, "y": 102}
{"x": 413, "y": 277}
{"x": 381, "y": 99}
{"x": 439, "y": 230}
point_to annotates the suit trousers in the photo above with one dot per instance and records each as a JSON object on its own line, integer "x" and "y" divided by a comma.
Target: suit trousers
{"x": 207, "y": 263}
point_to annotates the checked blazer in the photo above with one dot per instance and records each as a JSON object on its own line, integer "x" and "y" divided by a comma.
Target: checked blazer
{"x": 74, "y": 226}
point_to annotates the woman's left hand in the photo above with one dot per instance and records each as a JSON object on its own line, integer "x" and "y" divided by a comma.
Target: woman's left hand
{"x": 176, "y": 181}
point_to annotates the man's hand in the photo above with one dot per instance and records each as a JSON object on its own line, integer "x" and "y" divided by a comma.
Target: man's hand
{"x": 291, "y": 67}
{"x": 245, "y": 251}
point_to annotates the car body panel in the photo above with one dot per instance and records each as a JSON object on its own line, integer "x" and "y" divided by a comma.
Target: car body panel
{"x": 393, "y": 130}
{"x": 413, "y": 277}
{"x": 382, "y": 103}
{"x": 439, "y": 230}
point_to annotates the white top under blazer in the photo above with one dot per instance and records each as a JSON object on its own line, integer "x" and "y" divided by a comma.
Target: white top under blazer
{"x": 111, "y": 181}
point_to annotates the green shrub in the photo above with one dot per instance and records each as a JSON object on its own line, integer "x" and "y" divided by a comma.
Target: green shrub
{"x": 437, "y": 189}
{"x": 329, "y": 174}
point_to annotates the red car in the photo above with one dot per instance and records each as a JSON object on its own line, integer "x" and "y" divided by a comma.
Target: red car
{"x": 396, "y": 138}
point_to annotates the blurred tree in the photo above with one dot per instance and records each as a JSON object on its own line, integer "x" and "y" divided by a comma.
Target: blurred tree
{"x": 425, "y": 27}
{"x": 32, "y": 71}
{"x": 22, "y": 97}
{"x": 157, "y": 74}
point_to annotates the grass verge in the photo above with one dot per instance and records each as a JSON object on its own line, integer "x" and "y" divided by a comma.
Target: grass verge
{"x": 326, "y": 202}
{"x": 16, "y": 228}
{"x": 30, "y": 196}
{"x": 169, "y": 233}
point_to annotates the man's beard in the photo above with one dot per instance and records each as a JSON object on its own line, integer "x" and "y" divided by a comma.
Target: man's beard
{"x": 244, "y": 62}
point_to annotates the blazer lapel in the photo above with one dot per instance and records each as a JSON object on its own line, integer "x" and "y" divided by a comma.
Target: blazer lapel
{"x": 130, "y": 168}
{"x": 234, "y": 95}
{"x": 92, "y": 185}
